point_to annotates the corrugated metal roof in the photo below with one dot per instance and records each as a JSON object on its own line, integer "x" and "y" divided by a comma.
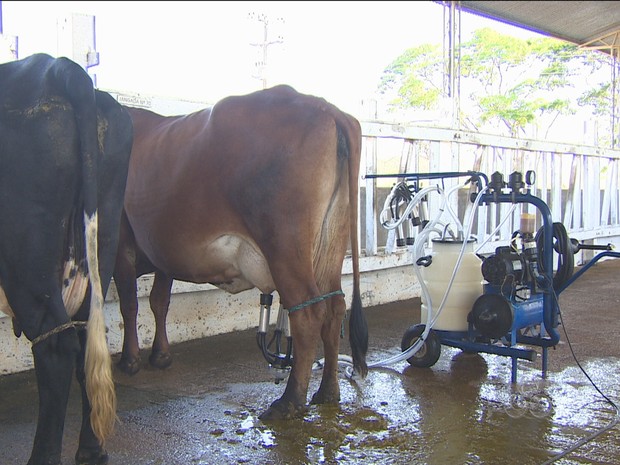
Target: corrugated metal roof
{"x": 588, "y": 24}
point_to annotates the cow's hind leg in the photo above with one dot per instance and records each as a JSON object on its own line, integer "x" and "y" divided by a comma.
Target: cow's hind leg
{"x": 160, "y": 301}
{"x": 130, "y": 356}
{"x": 90, "y": 451}
{"x": 125, "y": 275}
{"x": 305, "y": 330}
{"x": 329, "y": 390}
{"x": 54, "y": 358}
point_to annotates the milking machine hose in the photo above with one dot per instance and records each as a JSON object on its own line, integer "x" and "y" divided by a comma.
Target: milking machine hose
{"x": 419, "y": 249}
{"x": 594, "y": 435}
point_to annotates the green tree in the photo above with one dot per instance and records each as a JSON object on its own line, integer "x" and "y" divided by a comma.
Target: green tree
{"x": 506, "y": 84}
{"x": 603, "y": 99}
{"x": 416, "y": 78}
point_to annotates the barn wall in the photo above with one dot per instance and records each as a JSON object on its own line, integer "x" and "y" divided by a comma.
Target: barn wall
{"x": 202, "y": 310}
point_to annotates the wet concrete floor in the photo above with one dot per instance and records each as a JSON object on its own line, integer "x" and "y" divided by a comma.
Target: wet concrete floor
{"x": 462, "y": 410}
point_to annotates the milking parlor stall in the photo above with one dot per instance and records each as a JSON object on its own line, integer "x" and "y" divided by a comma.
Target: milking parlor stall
{"x": 467, "y": 251}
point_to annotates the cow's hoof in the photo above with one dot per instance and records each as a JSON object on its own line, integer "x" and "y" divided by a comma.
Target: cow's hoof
{"x": 87, "y": 456}
{"x": 160, "y": 360}
{"x": 323, "y": 397}
{"x": 282, "y": 410}
{"x": 129, "y": 367}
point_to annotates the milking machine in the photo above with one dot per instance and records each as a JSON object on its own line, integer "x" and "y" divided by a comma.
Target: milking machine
{"x": 278, "y": 350}
{"x": 500, "y": 303}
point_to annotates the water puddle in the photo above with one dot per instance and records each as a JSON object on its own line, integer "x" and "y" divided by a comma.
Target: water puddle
{"x": 463, "y": 411}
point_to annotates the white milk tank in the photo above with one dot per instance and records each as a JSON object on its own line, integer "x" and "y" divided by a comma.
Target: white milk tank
{"x": 466, "y": 288}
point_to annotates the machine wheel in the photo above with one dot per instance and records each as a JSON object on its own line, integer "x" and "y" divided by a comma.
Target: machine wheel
{"x": 430, "y": 351}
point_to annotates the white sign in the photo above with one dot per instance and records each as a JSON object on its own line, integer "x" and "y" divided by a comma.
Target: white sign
{"x": 134, "y": 101}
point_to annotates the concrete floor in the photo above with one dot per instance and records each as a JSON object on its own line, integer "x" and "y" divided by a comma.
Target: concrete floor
{"x": 462, "y": 410}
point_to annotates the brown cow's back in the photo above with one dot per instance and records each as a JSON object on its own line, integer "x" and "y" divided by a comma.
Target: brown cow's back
{"x": 200, "y": 199}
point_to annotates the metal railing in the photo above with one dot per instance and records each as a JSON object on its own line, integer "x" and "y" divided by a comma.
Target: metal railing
{"x": 579, "y": 183}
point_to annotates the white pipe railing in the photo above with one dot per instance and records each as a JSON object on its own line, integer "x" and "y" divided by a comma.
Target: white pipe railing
{"x": 578, "y": 182}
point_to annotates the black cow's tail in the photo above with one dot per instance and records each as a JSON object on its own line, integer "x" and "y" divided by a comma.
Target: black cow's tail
{"x": 358, "y": 327}
{"x": 98, "y": 363}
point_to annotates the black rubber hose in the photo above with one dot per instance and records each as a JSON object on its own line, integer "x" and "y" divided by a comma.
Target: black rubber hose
{"x": 563, "y": 247}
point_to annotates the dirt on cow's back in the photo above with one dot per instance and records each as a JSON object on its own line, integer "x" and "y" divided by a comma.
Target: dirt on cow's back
{"x": 463, "y": 410}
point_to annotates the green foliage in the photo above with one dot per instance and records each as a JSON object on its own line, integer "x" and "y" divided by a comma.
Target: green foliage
{"x": 599, "y": 98}
{"x": 505, "y": 81}
{"x": 413, "y": 75}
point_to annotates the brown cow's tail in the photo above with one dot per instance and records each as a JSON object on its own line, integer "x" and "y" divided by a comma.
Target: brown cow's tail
{"x": 98, "y": 362}
{"x": 358, "y": 327}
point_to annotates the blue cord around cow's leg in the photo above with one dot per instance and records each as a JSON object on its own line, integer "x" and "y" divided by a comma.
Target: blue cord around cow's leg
{"x": 329, "y": 390}
{"x": 54, "y": 359}
{"x": 305, "y": 331}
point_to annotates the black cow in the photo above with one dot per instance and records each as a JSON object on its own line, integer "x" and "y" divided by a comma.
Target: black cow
{"x": 64, "y": 154}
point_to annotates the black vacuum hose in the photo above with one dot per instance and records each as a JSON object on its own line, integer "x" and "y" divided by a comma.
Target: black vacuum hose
{"x": 562, "y": 246}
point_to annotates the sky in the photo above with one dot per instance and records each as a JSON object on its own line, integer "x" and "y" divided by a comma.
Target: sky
{"x": 203, "y": 51}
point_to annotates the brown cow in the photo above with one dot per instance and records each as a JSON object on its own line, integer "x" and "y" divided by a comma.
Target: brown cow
{"x": 259, "y": 191}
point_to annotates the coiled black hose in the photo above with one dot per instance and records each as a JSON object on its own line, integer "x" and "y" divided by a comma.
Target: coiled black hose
{"x": 562, "y": 246}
